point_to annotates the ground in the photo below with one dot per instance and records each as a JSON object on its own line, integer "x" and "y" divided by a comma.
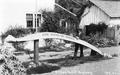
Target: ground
{"x": 61, "y": 63}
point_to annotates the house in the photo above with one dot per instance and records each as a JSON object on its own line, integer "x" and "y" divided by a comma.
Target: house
{"x": 31, "y": 20}
{"x": 107, "y": 11}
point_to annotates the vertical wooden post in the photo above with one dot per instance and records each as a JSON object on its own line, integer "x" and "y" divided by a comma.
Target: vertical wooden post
{"x": 36, "y": 52}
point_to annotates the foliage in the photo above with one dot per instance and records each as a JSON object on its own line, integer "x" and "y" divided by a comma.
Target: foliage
{"x": 99, "y": 42}
{"x": 95, "y": 35}
{"x": 19, "y": 46}
{"x": 10, "y": 65}
{"x": 52, "y": 21}
{"x": 42, "y": 68}
{"x": 96, "y": 28}
{"x": 16, "y": 32}
{"x": 76, "y": 6}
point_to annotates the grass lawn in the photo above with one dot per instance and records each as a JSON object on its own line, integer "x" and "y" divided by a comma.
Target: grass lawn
{"x": 62, "y": 63}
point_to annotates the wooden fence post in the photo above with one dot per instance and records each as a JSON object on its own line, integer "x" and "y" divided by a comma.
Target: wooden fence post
{"x": 36, "y": 52}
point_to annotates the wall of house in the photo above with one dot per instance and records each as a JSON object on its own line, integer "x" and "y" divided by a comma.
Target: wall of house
{"x": 117, "y": 34}
{"x": 115, "y": 23}
{"x": 95, "y": 16}
{"x": 110, "y": 33}
{"x": 113, "y": 33}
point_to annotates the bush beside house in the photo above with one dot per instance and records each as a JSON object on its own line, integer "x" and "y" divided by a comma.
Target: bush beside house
{"x": 97, "y": 34}
{"x": 16, "y": 32}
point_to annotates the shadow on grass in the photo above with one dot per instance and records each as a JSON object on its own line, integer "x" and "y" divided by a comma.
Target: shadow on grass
{"x": 43, "y": 68}
{"x": 47, "y": 49}
{"x": 70, "y": 61}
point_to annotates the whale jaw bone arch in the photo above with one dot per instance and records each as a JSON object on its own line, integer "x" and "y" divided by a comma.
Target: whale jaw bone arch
{"x": 45, "y": 35}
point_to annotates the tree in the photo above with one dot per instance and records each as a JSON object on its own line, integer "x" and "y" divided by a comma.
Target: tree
{"x": 51, "y": 22}
{"x": 81, "y": 5}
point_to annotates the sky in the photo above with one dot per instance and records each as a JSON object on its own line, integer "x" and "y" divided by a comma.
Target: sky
{"x": 13, "y": 12}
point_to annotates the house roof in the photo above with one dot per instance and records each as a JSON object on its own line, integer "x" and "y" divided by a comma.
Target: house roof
{"x": 110, "y": 7}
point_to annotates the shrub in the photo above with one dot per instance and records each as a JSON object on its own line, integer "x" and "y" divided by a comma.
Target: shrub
{"x": 96, "y": 28}
{"x": 16, "y": 32}
{"x": 51, "y": 22}
{"x": 10, "y": 65}
{"x": 19, "y": 46}
{"x": 95, "y": 35}
{"x": 99, "y": 42}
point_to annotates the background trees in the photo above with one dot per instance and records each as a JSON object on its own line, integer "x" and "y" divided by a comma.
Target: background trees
{"x": 51, "y": 22}
{"x": 52, "y": 19}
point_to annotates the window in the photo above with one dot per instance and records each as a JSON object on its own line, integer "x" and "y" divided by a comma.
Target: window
{"x": 37, "y": 23}
{"x": 29, "y": 23}
{"x": 62, "y": 23}
{"x": 30, "y": 18}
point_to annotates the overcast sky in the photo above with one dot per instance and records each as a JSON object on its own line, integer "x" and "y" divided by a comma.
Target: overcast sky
{"x": 13, "y": 12}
